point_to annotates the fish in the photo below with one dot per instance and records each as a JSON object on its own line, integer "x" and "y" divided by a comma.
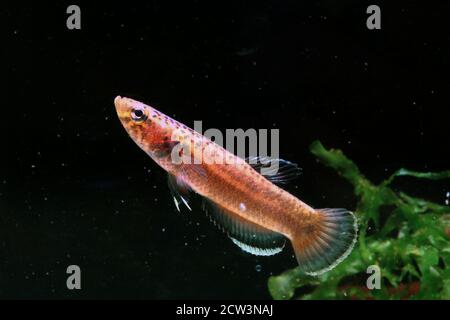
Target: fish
{"x": 250, "y": 206}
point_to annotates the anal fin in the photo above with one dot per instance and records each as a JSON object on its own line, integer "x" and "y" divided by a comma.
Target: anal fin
{"x": 247, "y": 235}
{"x": 257, "y": 251}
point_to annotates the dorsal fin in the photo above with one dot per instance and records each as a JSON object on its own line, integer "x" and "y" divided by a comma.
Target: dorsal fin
{"x": 277, "y": 171}
{"x": 249, "y": 236}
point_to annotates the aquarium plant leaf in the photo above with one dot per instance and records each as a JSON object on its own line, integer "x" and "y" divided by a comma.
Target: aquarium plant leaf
{"x": 411, "y": 245}
{"x": 422, "y": 175}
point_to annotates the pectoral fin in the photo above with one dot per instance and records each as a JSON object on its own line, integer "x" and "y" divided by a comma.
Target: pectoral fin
{"x": 180, "y": 191}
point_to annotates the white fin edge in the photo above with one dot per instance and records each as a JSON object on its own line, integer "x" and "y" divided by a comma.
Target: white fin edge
{"x": 176, "y": 204}
{"x": 344, "y": 255}
{"x": 255, "y": 250}
{"x": 185, "y": 202}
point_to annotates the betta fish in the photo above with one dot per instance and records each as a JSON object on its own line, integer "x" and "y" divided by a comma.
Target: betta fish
{"x": 247, "y": 204}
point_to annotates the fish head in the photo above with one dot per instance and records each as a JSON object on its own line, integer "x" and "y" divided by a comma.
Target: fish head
{"x": 150, "y": 129}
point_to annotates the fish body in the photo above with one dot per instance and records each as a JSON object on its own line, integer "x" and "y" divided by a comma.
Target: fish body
{"x": 256, "y": 213}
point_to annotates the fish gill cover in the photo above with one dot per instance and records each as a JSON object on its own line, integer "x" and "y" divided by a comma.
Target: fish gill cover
{"x": 411, "y": 247}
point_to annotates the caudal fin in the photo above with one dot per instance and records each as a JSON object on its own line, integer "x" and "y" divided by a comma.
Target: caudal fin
{"x": 327, "y": 243}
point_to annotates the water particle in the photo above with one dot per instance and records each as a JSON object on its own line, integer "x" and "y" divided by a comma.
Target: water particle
{"x": 163, "y": 229}
{"x": 258, "y": 268}
{"x": 242, "y": 206}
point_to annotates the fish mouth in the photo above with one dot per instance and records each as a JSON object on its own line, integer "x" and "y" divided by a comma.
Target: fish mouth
{"x": 117, "y": 101}
{"x": 122, "y": 107}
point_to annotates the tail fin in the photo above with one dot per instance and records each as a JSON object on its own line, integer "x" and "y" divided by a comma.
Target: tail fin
{"x": 328, "y": 243}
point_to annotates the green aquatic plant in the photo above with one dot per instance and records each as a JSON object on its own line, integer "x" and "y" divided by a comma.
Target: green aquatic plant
{"x": 405, "y": 236}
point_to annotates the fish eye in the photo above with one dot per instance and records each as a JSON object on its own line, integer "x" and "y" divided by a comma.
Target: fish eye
{"x": 138, "y": 114}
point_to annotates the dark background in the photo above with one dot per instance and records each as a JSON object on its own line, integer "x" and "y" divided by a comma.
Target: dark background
{"x": 74, "y": 188}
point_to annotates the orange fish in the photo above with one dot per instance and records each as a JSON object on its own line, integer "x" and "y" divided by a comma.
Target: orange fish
{"x": 250, "y": 207}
